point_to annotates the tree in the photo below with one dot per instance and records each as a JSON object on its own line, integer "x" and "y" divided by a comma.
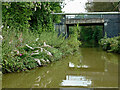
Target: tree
{"x": 42, "y": 19}
{"x": 102, "y": 6}
{"x": 17, "y": 14}
{"x": 34, "y": 15}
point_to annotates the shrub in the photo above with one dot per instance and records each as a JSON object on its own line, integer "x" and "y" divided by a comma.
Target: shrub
{"x": 111, "y": 44}
{"x": 26, "y": 50}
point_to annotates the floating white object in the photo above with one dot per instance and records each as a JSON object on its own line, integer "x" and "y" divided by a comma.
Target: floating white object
{"x": 71, "y": 64}
{"x": 84, "y": 66}
{"x": 81, "y": 66}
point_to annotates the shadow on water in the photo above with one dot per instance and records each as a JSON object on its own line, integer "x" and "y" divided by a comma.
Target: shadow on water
{"x": 88, "y": 68}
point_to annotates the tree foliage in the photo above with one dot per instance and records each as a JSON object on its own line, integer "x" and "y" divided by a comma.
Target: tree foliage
{"x": 42, "y": 19}
{"x": 25, "y": 15}
{"x": 102, "y": 6}
{"x": 91, "y": 34}
{"x": 16, "y": 14}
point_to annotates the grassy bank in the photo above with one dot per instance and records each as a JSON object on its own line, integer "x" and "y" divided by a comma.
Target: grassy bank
{"x": 26, "y": 50}
{"x": 111, "y": 44}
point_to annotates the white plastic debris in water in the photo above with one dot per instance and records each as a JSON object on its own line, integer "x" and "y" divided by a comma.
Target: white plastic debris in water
{"x": 71, "y": 64}
{"x": 84, "y": 66}
{"x": 78, "y": 66}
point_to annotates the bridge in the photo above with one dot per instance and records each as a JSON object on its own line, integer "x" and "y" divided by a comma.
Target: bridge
{"x": 109, "y": 20}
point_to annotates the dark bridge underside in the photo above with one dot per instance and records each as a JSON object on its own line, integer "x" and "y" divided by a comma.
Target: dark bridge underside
{"x": 84, "y": 24}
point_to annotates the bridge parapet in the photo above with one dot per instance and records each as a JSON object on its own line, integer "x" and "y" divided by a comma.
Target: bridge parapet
{"x": 83, "y": 21}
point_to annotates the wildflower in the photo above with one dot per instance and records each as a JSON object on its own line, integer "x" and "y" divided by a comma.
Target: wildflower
{"x": 48, "y": 53}
{"x": 2, "y": 26}
{"x": 43, "y": 60}
{"x": 10, "y": 41}
{"x": 34, "y": 53}
{"x": 35, "y": 8}
{"x": 7, "y": 26}
{"x": 29, "y": 47}
{"x": 45, "y": 45}
{"x": 38, "y": 61}
{"x": 1, "y": 37}
{"x": 12, "y": 52}
{"x": 20, "y": 54}
{"x": 48, "y": 61}
{"x": 41, "y": 49}
{"x": 37, "y": 39}
{"x": 16, "y": 51}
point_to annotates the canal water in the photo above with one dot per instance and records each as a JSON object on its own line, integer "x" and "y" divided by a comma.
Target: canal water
{"x": 89, "y": 67}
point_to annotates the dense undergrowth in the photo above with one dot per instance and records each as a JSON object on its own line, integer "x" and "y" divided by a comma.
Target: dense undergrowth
{"x": 26, "y": 50}
{"x": 111, "y": 44}
{"x": 88, "y": 35}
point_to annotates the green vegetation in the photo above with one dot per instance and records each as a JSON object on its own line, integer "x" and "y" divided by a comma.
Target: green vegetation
{"x": 23, "y": 51}
{"x": 34, "y": 15}
{"x": 106, "y": 6}
{"x": 29, "y": 38}
{"x": 110, "y": 44}
{"x": 88, "y": 35}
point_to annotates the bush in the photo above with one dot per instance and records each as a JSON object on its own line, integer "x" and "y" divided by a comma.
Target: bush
{"x": 111, "y": 44}
{"x": 26, "y": 50}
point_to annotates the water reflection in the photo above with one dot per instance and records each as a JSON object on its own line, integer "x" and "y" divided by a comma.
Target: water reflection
{"x": 90, "y": 67}
{"x": 76, "y": 81}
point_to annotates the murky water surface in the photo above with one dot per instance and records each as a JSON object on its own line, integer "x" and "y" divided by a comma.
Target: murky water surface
{"x": 90, "y": 67}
